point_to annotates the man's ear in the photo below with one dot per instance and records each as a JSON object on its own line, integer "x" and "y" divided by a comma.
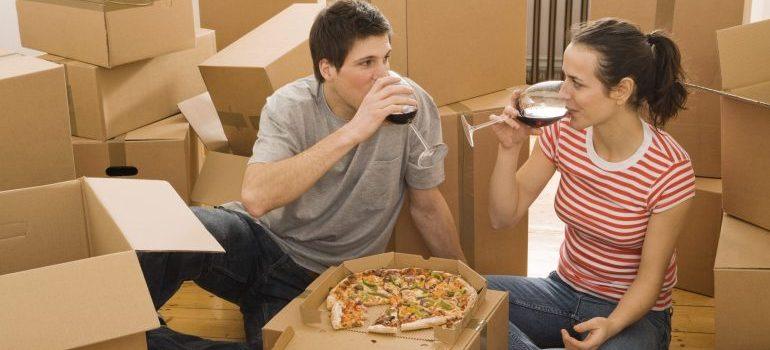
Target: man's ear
{"x": 622, "y": 92}
{"x": 327, "y": 69}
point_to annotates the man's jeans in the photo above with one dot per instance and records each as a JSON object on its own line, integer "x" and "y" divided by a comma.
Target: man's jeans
{"x": 541, "y": 307}
{"x": 254, "y": 273}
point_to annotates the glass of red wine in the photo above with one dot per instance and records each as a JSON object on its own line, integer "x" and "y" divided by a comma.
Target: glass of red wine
{"x": 538, "y": 105}
{"x": 430, "y": 154}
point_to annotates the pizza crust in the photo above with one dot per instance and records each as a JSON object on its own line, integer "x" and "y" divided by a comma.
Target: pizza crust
{"x": 423, "y": 323}
{"x": 378, "y": 328}
{"x": 336, "y": 315}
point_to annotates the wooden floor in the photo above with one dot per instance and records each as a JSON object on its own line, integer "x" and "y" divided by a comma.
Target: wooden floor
{"x": 195, "y": 311}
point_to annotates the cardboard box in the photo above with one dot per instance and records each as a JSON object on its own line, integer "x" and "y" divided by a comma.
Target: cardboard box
{"x": 459, "y": 49}
{"x": 746, "y": 121}
{"x": 106, "y": 33}
{"x": 159, "y": 151}
{"x": 110, "y": 102}
{"x": 698, "y": 130}
{"x": 466, "y": 190}
{"x": 693, "y": 25}
{"x": 34, "y": 126}
{"x": 241, "y": 76}
{"x": 697, "y": 244}
{"x": 234, "y": 18}
{"x": 308, "y": 318}
{"x": 742, "y": 274}
{"x": 70, "y": 277}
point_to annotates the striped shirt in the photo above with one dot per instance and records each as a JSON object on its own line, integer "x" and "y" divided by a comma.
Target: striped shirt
{"x": 606, "y": 207}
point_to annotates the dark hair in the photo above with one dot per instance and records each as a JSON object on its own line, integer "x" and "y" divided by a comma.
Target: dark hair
{"x": 651, "y": 60}
{"x": 338, "y": 26}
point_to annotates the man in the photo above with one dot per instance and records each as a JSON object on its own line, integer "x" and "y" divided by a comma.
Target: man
{"x": 326, "y": 180}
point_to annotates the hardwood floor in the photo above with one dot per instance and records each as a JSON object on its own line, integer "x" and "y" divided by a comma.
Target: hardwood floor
{"x": 195, "y": 311}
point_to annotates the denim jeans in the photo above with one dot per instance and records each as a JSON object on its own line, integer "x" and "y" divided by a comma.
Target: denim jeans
{"x": 254, "y": 273}
{"x": 541, "y": 307}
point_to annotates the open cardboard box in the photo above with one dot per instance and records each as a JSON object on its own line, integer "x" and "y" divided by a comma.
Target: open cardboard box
{"x": 313, "y": 309}
{"x": 304, "y": 323}
{"x": 241, "y": 76}
{"x": 221, "y": 174}
{"x": 106, "y": 33}
{"x": 69, "y": 276}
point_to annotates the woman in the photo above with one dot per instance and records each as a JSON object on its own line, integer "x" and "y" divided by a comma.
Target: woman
{"x": 624, "y": 192}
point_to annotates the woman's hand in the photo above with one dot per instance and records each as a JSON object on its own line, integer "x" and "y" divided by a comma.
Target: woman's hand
{"x": 511, "y": 132}
{"x": 600, "y": 329}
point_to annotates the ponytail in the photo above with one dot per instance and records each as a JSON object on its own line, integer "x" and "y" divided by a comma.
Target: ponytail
{"x": 667, "y": 94}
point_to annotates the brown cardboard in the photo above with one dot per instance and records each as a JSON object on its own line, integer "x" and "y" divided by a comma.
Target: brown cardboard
{"x": 459, "y": 49}
{"x": 69, "y": 250}
{"x": 106, "y": 33}
{"x": 697, "y": 244}
{"x": 242, "y": 75}
{"x": 234, "y": 18}
{"x": 285, "y": 331}
{"x": 162, "y": 151}
{"x": 742, "y": 274}
{"x": 110, "y": 102}
{"x": 746, "y": 121}
{"x": 466, "y": 190}
{"x": 697, "y": 129}
{"x": 642, "y": 13}
{"x": 34, "y": 126}
{"x": 221, "y": 174}
{"x": 307, "y": 317}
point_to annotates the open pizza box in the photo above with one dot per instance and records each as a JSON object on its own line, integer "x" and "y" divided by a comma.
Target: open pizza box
{"x": 313, "y": 310}
{"x": 287, "y": 330}
{"x": 69, "y": 273}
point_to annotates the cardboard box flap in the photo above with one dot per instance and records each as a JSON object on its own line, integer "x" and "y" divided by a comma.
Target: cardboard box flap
{"x": 18, "y": 65}
{"x": 202, "y": 116}
{"x": 75, "y": 304}
{"x": 150, "y": 214}
{"x": 755, "y": 94}
{"x": 261, "y": 47}
{"x": 220, "y": 179}
{"x": 708, "y": 184}
{"x": 172, "y": 128}
{"x": 742, "y": 246}
{"x": 743, "y": 54}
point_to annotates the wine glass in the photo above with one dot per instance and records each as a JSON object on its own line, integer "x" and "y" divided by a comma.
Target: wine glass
{"x": 538, "y": 105}
{"x": 429, "y": 154}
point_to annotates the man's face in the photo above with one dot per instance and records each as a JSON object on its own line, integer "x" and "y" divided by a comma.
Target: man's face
{"x": 367, "y": 61}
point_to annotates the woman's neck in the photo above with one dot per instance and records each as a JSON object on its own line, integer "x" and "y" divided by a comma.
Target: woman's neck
{"x": 618, "y": 138}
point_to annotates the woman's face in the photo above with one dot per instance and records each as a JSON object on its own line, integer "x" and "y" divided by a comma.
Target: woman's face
{"x": 588, "y": 101}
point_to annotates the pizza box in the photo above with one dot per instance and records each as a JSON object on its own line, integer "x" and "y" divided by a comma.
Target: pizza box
{"x": 313, "y": 310}
{"x": 69, "y": 274}
{"x": 286, "y": 331}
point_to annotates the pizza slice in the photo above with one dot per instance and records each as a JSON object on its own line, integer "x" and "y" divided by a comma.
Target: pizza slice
{"x": 415, "y": 316}
{"x": 349, "y": 315}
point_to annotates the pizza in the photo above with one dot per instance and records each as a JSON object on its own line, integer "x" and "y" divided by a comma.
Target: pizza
{"x": 416, "y": 298}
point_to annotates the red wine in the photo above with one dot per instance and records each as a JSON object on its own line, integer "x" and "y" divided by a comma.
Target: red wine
{"x": 402, "y": 118}
{"x": 540, "y": 116}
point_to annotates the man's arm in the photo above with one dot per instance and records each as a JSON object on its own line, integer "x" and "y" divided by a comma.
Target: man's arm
{"x": 432, "y": 217}
{"x": 272, "y": 185}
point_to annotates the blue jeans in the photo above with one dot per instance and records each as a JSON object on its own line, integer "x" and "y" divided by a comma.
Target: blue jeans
{"x": 254, "y": 273}
{"x": 541, "y": 307}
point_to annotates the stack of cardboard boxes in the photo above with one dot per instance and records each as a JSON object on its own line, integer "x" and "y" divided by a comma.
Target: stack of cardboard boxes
{"x": 127, "y": 65}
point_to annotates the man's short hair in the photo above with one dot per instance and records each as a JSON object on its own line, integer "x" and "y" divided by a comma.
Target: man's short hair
{"x": 338, "y": 26}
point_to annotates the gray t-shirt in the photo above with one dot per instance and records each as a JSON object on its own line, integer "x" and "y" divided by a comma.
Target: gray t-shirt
{"x": 350, "y": 212}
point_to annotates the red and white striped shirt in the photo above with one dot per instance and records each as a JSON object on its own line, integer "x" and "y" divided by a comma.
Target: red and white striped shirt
{"x": 606, "y": 207}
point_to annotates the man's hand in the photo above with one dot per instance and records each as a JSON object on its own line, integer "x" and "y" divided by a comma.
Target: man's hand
{"x": 384, "y": 98}
{"x": 600, "y": 329}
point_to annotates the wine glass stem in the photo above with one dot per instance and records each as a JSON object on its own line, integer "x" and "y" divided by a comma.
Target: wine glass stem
{"x": 486, "y": 124}
{"x": 422, "y": 140}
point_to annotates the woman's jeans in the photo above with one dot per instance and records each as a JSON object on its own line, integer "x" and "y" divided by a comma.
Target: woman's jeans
{"x": 541, "y": 307}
